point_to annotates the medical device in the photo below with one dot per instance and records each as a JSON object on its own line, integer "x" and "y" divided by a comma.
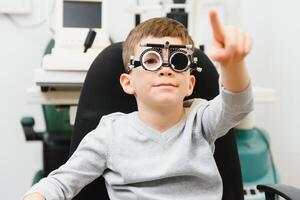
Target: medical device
{"x": 77, "y": 21}
{"x": 80, "y": 28}
{"x": 80, "y": 35}
{"x": 179, "y": 57}
{"x": 257, "y": 164}
{"x": 179, "y": 14}
{"x": 75, "y": 18}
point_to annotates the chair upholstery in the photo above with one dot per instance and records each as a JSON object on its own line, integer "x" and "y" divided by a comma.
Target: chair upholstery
{"x": 102, "y": 94}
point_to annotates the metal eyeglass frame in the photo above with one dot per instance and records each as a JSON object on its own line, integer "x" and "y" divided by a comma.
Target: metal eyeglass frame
{"x": 172, "y": 50}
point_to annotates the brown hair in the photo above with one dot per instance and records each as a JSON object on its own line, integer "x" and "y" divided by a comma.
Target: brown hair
{"x": 155, "y": 27}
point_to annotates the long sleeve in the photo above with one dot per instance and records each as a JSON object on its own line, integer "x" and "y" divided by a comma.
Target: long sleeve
{"x": 225, "y": 111}
{"x": 86, "y": 164}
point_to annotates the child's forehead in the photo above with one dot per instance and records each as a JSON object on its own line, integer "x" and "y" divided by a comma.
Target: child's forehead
{"x": 156, "y": 40}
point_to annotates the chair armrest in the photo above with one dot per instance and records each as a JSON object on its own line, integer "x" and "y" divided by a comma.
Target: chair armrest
{"x": 27, "y": 125}
{"x": 285, "y": 191}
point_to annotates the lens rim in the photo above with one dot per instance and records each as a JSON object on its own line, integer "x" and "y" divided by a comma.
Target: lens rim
{"x": 181, "y": 52}
{"x": 147, "y": 51}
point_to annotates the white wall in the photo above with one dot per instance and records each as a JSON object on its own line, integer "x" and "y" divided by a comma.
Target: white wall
{"x": 274, "y": 63}
{"x": 20, "y": 53}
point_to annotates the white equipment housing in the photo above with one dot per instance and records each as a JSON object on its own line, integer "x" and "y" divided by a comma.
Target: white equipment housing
{"x": 74, "y": 19}
{"x": 62, "y": 74}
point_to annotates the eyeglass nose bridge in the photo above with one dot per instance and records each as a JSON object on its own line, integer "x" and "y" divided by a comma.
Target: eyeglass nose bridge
{"x": 165, "y": 64}
{"x": 168, "y": 71}
{"x": 168, "y": 64}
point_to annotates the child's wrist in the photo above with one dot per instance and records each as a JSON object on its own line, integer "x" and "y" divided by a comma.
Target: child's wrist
{"x": 234, "y": 65}
{"x": 235, "y": 78}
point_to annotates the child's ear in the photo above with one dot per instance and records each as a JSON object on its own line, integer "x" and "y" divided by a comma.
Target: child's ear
{"x": 126, "y": 84}
{"x": 191, "y": 85}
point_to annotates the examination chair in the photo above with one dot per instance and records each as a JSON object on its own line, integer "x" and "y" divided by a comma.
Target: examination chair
{"x": 102, "y": 94}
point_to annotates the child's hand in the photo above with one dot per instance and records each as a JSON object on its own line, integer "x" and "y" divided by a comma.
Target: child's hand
{"x": 230, "y": 45}
{"x": 34, "y": 196}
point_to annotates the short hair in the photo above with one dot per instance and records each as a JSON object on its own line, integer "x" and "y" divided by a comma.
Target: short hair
{"x": 155, "y": 27}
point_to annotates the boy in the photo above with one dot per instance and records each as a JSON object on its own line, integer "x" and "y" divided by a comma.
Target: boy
{"x": 165, "y": 149}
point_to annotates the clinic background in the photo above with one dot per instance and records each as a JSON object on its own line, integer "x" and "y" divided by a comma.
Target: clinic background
{"x": 273, "y": 63}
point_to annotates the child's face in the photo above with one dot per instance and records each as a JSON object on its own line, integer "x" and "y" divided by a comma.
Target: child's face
{"x": 164, "y": 87}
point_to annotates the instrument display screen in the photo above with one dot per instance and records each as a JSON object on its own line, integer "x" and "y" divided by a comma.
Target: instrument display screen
{"x": 82, "y": 14}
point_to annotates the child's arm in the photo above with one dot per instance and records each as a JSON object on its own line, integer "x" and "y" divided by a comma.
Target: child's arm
{"x": 86, "y": 164}
{"x": 235, "y": 101}
{"x": 230, "y": 48}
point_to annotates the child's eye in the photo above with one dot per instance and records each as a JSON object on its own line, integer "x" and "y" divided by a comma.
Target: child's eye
{"x": 150, "y": 61}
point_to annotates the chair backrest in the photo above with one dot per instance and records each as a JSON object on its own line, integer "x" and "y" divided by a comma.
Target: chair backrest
{"x": 102, "y": 94}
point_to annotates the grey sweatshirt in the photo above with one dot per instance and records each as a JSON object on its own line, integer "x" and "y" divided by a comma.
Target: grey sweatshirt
{"x": 138, "y": 163}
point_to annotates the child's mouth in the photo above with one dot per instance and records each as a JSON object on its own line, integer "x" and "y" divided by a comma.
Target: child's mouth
{"x": 165, "y": 85}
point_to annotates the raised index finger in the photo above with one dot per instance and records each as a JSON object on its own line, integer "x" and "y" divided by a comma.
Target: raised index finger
{"x": 217, "y": 27}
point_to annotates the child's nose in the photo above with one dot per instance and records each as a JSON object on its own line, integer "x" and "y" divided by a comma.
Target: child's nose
{"x": 166, "y": 71}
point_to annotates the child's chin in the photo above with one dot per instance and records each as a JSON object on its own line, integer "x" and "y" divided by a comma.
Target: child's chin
{"x": 168, "y": 100}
